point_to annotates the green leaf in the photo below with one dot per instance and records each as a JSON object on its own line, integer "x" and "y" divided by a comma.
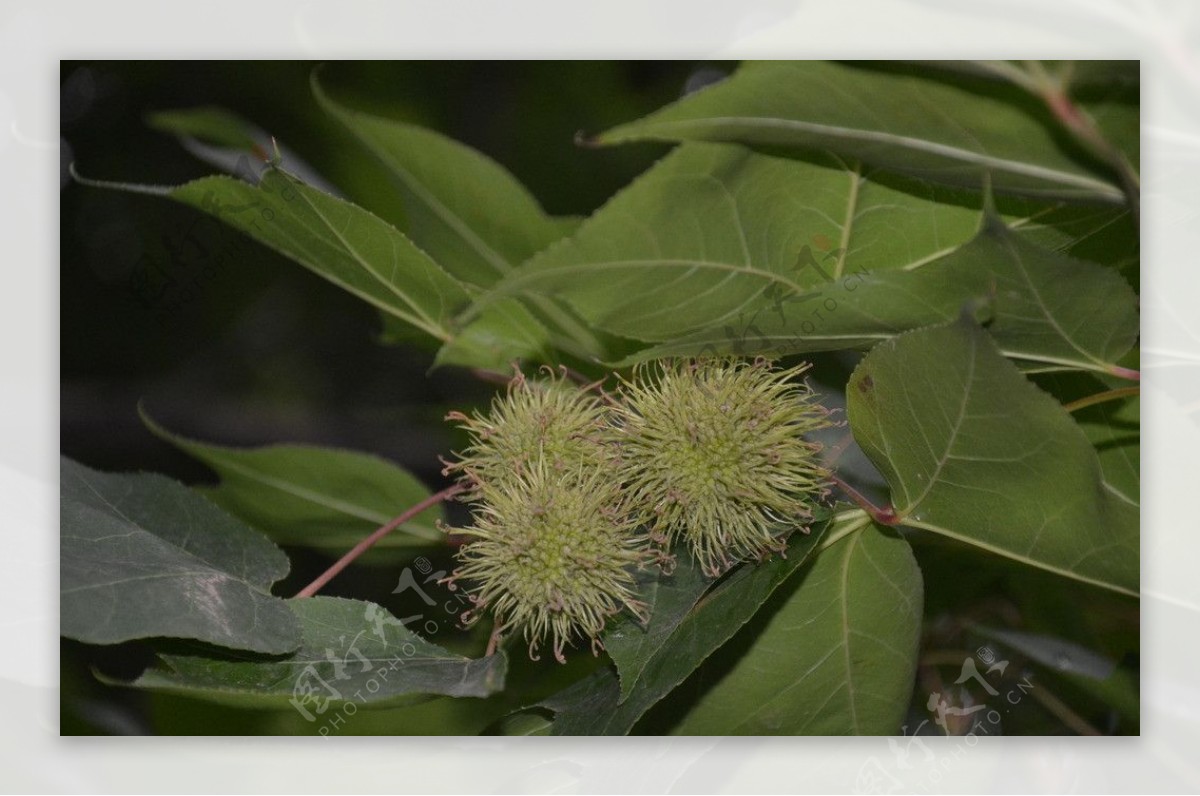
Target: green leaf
{"x": 669, "y": 599}
{"x": 352, "y": 652}
{"x": 1095, "y": 233}
{"x": 971, "y": 449}
{"x": 1105, "y": 73}
{"x": 174, "y": 714}
{"x": 144, "y": 556}
{"x": 838, "y": 657}
{"x": 525, "y": 724}
{"x": 1114, "y": 428}
{"x": 212, "y": 125}
{"x": 928, "y": 128}
{"x": 506, "y": 331}
{"x": 340, "y": 241}
{"x": 461, "y": 207}
{"x": 673, "y": 648}
{"x": 1117, "y": 115}
{"x": 1076, "y": 74}
{"x": 478, "y": 222}
{"x": 1043, "y": 307}
{"x": 714, "y": 233}
{"x": 589, "y": 707}
{"x": 313, "y": 497}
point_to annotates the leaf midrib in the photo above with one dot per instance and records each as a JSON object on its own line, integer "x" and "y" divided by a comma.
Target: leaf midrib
{"x": 855, "y": 532}
{"x": 665, "y": 262}
{"x": 371, "y": 299}
{"x": 426, "y": 323}
{"x": 1015, "y": 556}
{"x": 1091, "y": 361}
{"x": 968, "y": 382}
{"x": 872, "y": 136}
{"x": 843, "y": 597}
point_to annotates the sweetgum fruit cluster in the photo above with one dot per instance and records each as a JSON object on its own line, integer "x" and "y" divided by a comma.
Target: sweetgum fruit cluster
{"x": 574, "y": 490}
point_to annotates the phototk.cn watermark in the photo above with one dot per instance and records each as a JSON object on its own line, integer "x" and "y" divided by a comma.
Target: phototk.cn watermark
{"x": 914, "y": 765}
{"x": 746, "y": 338}
{"x": 322, "y": 691}
{"x": 168, "y": 279}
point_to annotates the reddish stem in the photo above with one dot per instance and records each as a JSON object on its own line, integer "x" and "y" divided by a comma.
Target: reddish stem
{"x": 490, "y": 376}
{"x": 382, "y": 531}
{"x": 883, "y": 516}
{"x": 1125, "y": 373}
{"x": 493, "y": 641}
{"x": 1084, "y": 130}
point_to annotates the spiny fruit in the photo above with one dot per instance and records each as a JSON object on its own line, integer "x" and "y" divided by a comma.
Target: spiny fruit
{"x": 567, "y": 488}
{"x": 551, "y": 554}
{"x": 550, "y": 421}
{"x": 712, "y": 452}
{"x": 552, "y": 544}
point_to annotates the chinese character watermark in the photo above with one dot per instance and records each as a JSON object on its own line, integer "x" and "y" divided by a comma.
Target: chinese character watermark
{"x": 322, "y": 693}
{"x": 745, "y": 337}
{"x": 914, "y": 764}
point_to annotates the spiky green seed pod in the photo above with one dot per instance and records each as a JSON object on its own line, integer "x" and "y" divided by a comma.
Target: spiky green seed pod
{"x": 550, "y": 554}
{"x": 548, "y": 420}
{"x": 712, "y": 452}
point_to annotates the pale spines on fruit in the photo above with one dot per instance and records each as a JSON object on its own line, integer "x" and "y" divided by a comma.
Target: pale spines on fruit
{"x": 713, "y": 453}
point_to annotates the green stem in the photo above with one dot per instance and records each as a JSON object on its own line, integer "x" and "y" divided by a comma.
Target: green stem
{"x": 1101, "y": 397}
{"x": 852, "y": 525}
{"x": 1063, "y": 712}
